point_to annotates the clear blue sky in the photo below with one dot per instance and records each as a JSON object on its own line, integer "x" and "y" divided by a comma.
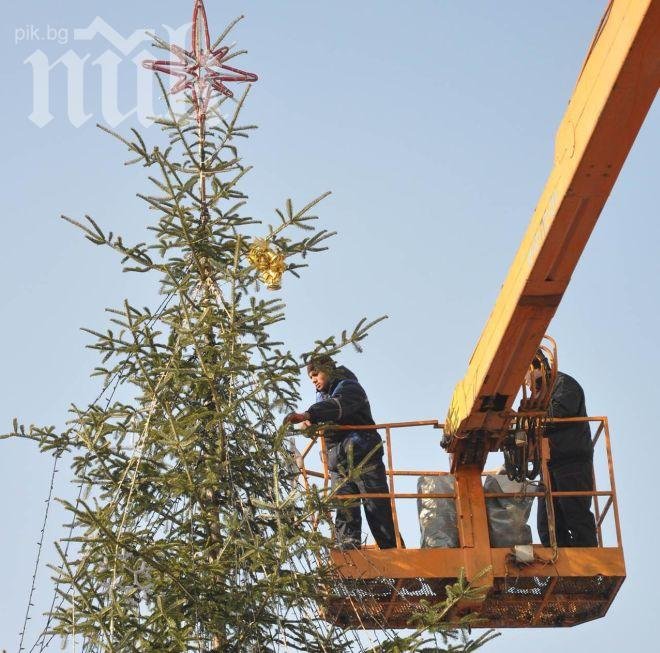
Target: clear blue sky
{"x": 433, "y": 124}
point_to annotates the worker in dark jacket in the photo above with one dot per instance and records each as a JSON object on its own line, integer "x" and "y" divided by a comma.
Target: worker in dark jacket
{"x": 355, "y": 458}
{"x": 570, "y": 468}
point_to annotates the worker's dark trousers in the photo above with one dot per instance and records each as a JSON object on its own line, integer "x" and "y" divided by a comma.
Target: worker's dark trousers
{"x": 574, "y": 521}
{"x": 355, "y": 475}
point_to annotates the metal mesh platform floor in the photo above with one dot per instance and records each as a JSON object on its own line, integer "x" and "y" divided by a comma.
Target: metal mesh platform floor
{"x": 536, "y": 601}
{"x": 577, "y": 588}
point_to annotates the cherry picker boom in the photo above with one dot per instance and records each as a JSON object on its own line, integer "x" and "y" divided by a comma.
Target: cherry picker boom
{"x": 615, "y": 89}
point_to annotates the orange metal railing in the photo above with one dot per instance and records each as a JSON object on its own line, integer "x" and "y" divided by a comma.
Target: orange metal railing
{"x": 602, "y": 435}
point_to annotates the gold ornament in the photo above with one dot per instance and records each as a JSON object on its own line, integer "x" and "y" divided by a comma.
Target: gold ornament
{"x": 270, "y": 264}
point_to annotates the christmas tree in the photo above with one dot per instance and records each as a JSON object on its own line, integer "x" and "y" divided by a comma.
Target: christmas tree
{"x": 191, "y": 531}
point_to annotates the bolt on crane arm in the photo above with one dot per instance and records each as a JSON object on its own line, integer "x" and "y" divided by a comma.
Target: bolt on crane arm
{"x": 615, "y": 89}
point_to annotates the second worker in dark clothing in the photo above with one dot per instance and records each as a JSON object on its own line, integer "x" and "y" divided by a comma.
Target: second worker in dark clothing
{"x": 355, "y": 458}
{"x": 570, "y": 468}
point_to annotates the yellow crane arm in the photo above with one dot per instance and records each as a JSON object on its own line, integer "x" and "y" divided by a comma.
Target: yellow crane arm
{"x": 616, "y": 87}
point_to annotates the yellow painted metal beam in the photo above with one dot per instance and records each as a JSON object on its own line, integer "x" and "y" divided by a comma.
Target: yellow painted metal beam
{"x": 615, "y": 89}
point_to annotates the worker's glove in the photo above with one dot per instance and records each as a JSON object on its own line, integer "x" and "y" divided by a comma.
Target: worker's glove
{"x": 296, "y": 418}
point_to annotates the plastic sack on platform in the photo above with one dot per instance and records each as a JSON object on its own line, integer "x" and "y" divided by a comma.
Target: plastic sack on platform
{"x": 437, "y": 517}
{"x": 508, "y": 516}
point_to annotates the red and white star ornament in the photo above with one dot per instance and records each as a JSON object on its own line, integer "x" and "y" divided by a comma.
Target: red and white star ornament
{"x": 200, "y": 70}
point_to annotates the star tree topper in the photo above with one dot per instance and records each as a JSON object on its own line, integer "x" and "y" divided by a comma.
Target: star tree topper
{"x": 200, "y": 69}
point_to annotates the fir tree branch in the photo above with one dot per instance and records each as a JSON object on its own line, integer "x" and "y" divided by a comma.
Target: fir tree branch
{"x": 330, "y": 346}
{"x": 177, "y": 124}
{"x": 226, "y": 31}
{"x": 136, "y": 253}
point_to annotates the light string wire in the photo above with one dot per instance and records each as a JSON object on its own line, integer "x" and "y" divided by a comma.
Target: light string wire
{"x": 39, "y": 550}
{"x": 138, "y": 446}
{"x": 114, "y": 381}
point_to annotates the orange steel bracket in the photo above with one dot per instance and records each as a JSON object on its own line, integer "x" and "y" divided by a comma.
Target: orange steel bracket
{"x": 615, "y": 89}
{"x": 473, "y": 526}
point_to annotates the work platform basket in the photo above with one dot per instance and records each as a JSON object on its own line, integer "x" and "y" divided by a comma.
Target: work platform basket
{"x": 377, "y": 589}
